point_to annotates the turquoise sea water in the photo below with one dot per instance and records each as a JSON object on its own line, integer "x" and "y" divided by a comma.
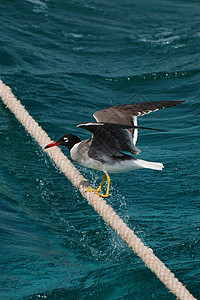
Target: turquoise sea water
{"x": 64, "y": 60}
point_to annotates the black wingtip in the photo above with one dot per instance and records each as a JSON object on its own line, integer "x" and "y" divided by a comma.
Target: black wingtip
{"x": 141, "y": 127}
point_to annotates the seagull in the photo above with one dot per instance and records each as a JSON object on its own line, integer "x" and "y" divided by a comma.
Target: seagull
{"x": 113, "y": 142}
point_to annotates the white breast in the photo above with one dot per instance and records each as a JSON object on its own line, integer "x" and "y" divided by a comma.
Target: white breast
{"x": 79, "y": 153}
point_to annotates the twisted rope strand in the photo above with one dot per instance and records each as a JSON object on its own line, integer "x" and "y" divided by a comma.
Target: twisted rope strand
{"x": 98, "y": 203}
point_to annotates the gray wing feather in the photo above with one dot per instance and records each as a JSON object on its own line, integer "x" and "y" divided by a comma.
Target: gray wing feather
{"x": 109, "y": 139}
{"x": 128, "y": 113}
{"x": 123, "y": 114}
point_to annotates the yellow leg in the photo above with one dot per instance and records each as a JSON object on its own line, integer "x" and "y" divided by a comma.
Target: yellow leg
{"x": 90, "y": 189}
{"x": 100, "y": 187}
{"x": 108, "y": 186}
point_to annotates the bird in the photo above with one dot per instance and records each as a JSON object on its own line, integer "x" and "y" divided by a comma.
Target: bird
{"x": 112, "y": 147}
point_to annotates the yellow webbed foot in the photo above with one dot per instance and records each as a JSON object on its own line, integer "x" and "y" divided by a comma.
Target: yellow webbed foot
{"x": 102, "y": 195}
{"x": 90, "y": 189}
{"x": 96, "y": 191}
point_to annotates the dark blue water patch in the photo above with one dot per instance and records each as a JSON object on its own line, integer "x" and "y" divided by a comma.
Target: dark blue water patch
{"x": 71, "y": 47}
{"x": 104, "y": 282}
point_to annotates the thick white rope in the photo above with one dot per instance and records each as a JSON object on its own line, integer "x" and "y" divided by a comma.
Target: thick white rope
{"x": 98, "y": 203}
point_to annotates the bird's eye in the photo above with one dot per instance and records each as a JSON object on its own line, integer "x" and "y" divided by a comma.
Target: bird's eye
{"x": 65, "y": 139}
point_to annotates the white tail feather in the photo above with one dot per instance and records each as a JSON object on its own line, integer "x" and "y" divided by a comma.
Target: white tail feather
{"x": 149, "y": 164}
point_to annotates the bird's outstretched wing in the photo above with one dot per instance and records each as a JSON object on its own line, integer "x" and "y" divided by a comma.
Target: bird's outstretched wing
{"x": 128, "y": 113}
{"x": 110, "y": 139}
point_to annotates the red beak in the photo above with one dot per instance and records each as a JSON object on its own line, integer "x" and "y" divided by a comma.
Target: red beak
{"x": 52, "y": 145}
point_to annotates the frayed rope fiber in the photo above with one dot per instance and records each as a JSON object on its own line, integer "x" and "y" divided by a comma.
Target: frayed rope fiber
{"x": 98, "y": 203}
